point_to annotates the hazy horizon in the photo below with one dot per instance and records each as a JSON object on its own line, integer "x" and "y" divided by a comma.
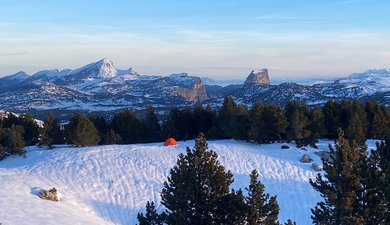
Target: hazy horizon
{"x": 218, "y": 39}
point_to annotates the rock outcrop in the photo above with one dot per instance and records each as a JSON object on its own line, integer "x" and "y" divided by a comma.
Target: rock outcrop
{"x": 49, "y": 195}
{"x": 306, "y": 159}
{"x": 258, "y": 77}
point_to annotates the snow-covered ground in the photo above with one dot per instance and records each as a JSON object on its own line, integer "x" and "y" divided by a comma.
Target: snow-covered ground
{"x": 111, "y": 184}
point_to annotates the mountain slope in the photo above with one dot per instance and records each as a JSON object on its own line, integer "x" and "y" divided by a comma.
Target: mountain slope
{"x": 111, "y": 184}
{"x": 98, "y": 86}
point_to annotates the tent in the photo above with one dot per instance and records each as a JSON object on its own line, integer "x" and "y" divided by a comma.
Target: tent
{"x": 170, "y": 141}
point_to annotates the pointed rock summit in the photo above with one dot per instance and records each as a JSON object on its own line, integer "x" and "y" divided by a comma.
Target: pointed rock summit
{"x": 258, "y": 77}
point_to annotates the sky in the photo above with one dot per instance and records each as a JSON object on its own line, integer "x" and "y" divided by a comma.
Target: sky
{"x": 223, "y": 39}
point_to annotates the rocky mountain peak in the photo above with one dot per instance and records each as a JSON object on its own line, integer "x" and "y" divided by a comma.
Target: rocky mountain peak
{"x": 106, "y": 68}
{"x": 257, "y": 77}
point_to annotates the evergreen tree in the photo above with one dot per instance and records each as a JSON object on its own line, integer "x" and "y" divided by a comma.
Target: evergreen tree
{"x": 355, "y": 121}
{"x": 267, "y": 123}
{"x": 128, "y": 126}
{"x": 204, "y": 120}
{"x": 262, "y": 209}
{"x": 14, "y": 141}
{"x": 51, "y": 132}
{"x": 331, "y": 111}
{"x": 151, "y": 217}
{"x": 378, "y": 120}
{"x": 227, "y": 118}
{"x": 102, "y": 126}
{"x": 112, "y": 137}
{"x": 197, "y": 189}
{"x": 341, "y": 186}
{"x": 298, "y": 123}
{"x": 171, "y": 125}
{"x": 316, "y": 125}
{"x": 381, "y": 159}
{"x": 153, "y": 129}
{"x": 81, "y": 131}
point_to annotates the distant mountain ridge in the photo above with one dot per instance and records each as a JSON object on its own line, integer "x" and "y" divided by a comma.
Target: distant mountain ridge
{"x": 102, "y": 88}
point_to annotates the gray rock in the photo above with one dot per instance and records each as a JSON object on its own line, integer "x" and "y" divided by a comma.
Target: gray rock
{"x": 49, "y": 195}
{"x": 325, "y": 155}
{"x": 258, "y": 77}
{"x": 316, "y": 167}
{"x": 306, "y": 159}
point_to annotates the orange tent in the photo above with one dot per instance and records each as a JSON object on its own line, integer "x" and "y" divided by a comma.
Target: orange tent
{"x": 170, "y": 141}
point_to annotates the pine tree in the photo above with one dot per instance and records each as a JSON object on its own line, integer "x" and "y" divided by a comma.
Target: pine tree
{"x": 262, "y": 209}
{"x": 298, "y": 123}
{"x": 112, "y": 137}
{"x": 151, "y": 217}
{"x": 198, "y": 188}
{"x": 316, "y": 126}
{"x": 378, "y": 120}
{"x": 153, "y": 129}
{"x": 341, "y": 186}
{"x": 128, "y": 126}
{"x": 171, "y": 125}
{"x": 15, "y": 141}
{"x": 354, "y": 115}
{"x": 81, "y": 131}
{"x": 101, "y": 125}
{"x": 381, "y": 159}
{"x": 331, "y": 111}
{"x": 51, "y": 133}
{"x": 227, "y": 118}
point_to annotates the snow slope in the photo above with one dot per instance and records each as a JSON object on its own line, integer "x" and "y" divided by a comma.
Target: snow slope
{"x": 111, "y": 184}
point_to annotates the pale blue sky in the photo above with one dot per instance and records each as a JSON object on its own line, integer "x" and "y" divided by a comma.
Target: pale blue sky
{"x": 217, "y": 38}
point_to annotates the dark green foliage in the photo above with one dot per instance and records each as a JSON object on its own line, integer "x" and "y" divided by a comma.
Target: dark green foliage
{"x": 128, "y": 126}
{"x": 151, "y": 216}
{"x": 51, "y": 132}
{"x": 30, "y": 127}
{"x": 227, "y": 117}
{"x": 298, "y": 123}
{"x": 204, "y": 120}
{"x": 197, "y": 188}
{"x": 331, "y": 111}
{"x": 262, "y": 209}
{"x": 378, "y": 121}
{"x": 381, "y": 159}
{"x": 233, "y": 120}
{"x": 11, "y": 141}
{"x": 112, "y": 138}
{"x": 153, "y": 129}
{"x": 102, "y": 126}
{"x": 355, "y": 119}
{"x": 341, "y": 186}
{"x": 81, "y": 131}
{"x": 316, "y": 126}
{"x": 171, "y": 125}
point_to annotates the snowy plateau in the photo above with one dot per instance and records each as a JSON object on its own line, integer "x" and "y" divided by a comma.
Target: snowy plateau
{"x": 101, "y": 88}
{"x": 111, "y": 184}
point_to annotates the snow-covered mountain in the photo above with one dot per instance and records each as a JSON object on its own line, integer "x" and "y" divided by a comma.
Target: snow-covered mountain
{"x": 100, "y": 87}
{"x": 111, "y": 184}
{"x": 372, "y": 84}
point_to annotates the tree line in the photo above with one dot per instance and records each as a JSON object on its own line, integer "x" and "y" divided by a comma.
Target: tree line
{"x": 262, "y": 123}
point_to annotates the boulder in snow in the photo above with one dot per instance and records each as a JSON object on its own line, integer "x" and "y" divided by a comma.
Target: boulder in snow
{"x": 316, "y": 167}
{"x": 306, "y": 158}
{"x": 49, "y": 195}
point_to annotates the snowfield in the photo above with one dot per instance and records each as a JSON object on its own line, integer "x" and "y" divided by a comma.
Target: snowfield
{"x": 111, "y": 184}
